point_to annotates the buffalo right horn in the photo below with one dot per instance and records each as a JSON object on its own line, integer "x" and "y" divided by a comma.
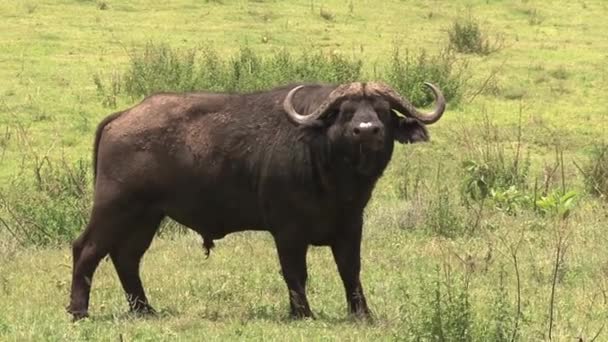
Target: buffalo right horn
{"x": 405, "y": 107}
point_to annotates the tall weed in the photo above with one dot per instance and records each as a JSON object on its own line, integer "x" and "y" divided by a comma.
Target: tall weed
{"x": 494, "y": 168}
{"x": 595, "y": 171}
{"x": 48, "y": 202}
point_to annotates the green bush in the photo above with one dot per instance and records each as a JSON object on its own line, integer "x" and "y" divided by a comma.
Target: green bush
{"x": 159, "y": 68}
{"x": 408, "y": 73}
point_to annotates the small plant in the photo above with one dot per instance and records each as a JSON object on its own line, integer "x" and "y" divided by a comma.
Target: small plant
{"x": 442, "y": 217}
{"x": 534, "y": 16}
{"x": 30, "y": 7}
{"x": 465, "y": 36}
{"x": 108, "y": 94}
{"x": 5, "y": 138}
{"x": 409, "y": 182}
{"x": 560, "y": 73}
{"x": 595, "y": 172}
{"x": 491, "y": 170}
{"x": 326, "y": 14}
{"x": 450, "y": 317}
{"x": 501, "y": 315}
{"x": 103, "y": 5}
{"x": 557, "y": 204}
{"x": 511, "y": 200}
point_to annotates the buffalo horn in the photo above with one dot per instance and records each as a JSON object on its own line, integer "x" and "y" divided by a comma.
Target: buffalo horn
{"x": 405, "y": 107}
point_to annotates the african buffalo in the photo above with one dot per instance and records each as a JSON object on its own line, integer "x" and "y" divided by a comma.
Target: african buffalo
{"x": 220, "y": 163}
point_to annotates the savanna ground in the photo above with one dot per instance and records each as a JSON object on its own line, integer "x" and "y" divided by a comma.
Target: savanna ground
{"x": 496, "y": 230}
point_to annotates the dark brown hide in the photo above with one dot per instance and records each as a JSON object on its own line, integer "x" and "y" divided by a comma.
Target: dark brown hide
{"x": 223, "y": 163}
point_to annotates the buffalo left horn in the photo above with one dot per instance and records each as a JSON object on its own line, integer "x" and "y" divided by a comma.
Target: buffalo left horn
{"x": 335, "y": 97}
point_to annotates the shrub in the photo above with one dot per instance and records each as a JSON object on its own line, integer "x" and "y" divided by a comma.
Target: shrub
{"x": 465, "y": 36}
{"x": 158, "y": 67}
{"x": 407, "y": 74}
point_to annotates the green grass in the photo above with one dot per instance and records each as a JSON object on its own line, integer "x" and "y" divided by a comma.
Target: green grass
{"x": 424, "y": 239}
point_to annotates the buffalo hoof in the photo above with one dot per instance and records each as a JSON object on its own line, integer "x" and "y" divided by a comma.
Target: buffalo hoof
{"x": 79, "y": 315}
{"x": 302, "y": 314}
{"x": 145, "y": 310}
{"x": 363, "y": 316}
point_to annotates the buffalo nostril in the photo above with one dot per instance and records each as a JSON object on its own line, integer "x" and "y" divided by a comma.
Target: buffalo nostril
{"x": 375, "y": 130}
{"x": 356, "y": 131}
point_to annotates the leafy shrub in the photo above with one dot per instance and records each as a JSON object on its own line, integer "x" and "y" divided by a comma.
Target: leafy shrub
{"x": 558, "y": 203}
{"x": 511, "y": 200}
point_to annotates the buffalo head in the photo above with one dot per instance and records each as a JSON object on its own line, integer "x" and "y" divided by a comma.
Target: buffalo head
{"x": 361, "y": 119}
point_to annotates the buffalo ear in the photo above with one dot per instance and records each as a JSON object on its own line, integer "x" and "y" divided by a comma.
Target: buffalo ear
{"x": 409, "y": 131}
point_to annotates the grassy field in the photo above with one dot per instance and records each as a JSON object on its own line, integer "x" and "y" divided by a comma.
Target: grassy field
{"x": 459, "y": 245}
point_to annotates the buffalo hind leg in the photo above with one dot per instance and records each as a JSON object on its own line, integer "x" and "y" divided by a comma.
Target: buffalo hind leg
{"x": 292, "y": 257}
{"x": 109, "y": 224}
{"x": 88, "y": 250}
{"x": 126, "y": 257}
{"x": 87, "y": 256}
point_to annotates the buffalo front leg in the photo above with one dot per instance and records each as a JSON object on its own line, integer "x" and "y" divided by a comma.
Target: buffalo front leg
{"x": 292, "y": 257}
{"x": 347, "y": 254}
